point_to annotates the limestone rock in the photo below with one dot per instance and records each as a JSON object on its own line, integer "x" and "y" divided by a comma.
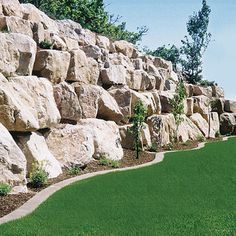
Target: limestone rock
{"x": 200, "y": 90}
{"x": 124, "y": 47}
{"x": 230, "y": 106}
{"x": 114, "y": 75}
{"x": 92, "y": 51}
{"x": 27, "y": 104}
{"x": 170, "y": 85}
{"x": 159, "y": 62}
{"x": 52, "y": 64}
{"x": 79, "y": 68}
{"x": 218, "y": 105}
{"x": 201, "y": 105}
{"x": 188, "y": 106}
{"x": 67, "y": 102}
{"x": 36, "y": 150}
{"x": 13, "y": 162}
{"x": 103, "y": 131}
{"x": 11, "y": 8}
{"x": 228, "y": 123}
{"x": 103, "y": 42}
{"x": 127, "y": 139}
{"x": 16, "y": 25}
{"x": 94, "y": 70}
{"x": 18, "y": 49}
{"x": 201, "y": 123}
{"x": 214, "y": 124}
{"x": 165, "y": 97}
{"x": 217, "y": 92}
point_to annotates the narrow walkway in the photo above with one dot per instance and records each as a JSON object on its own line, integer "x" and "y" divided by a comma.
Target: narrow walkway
{"x": 42, "y": 196}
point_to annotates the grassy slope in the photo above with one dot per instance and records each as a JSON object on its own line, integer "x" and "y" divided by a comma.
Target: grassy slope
{"x": 189, "y": 193}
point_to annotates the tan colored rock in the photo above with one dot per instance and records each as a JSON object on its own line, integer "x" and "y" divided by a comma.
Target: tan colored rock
{"x": 127, "y": 139}
{"x": 138, "y": 64}
{"x": 27, "y": 104}
{"x": 161, "y": 63}
{"x": 187, "y": 130}
{"x": 67, "y": 102}
{"x": 103, "y": 42}
{"x": 230, "y": 106}
{"x": 214, "y": 124}
{"x": 218, "y": 105}
{"x": 71, "y": 145}
{"x": 58, "y": 43}
{"x": 217, "y": 92}
{"x": 13, "y": 162}
{"x": 36, "y": 150}
{"x": 16, "y": 24}
{"x": 228, "y": 123}
{"x": 162, "y": 128}
{"x": 170, "y": 85}
{"x": 79, "y": 144}
{"x": 94, "y": 71}
{"x": 201, "y": 105}
{"x": 97, "y": 102}
{"x": 11, "y": 8}
{"x": 92, "y": 51}
{"x": 124, "y": 47}
{"x": 114, "y": 75}
{"x": 188, "y": 106}
{"x": 103, "y": 131}
{"x": 201, "y": 123}
{"x": 18, "y": 49}
{"x": 87, "y": 37}
{"x": 165, "y": 97}
{"x": 79, "y": 68}
{"x": 71, "y": 44}
{"x": 200, "y": 90}
{"x": 119, "y": 59}
{"x": 52, "y": 64}
{"x": 174, "y": 76}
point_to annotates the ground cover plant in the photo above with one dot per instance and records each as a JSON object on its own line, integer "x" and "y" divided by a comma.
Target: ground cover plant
{"x": 189, "y": 193}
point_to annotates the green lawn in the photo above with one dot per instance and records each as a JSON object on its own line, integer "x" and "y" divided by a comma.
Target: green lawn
{"x": 189, "y": 193}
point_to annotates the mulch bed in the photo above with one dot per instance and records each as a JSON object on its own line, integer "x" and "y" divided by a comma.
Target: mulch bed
{"x": 11, "y": 202}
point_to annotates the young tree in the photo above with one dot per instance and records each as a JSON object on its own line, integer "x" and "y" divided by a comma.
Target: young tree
{"x": 177, "y": 104}
{"x": 194, "y": 45}
{"x": 137, "y": 125}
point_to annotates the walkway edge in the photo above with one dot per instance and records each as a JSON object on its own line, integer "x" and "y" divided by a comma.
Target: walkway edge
{"x": 43, "y": 195}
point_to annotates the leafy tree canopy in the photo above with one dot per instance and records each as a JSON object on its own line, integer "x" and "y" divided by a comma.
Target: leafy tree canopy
{"x": 91, "y": 14}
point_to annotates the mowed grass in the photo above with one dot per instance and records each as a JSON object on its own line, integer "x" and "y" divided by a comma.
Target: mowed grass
{"x": 189, "y": 193}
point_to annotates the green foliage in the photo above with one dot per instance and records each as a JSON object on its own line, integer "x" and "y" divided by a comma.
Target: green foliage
{"x": 38, "y": 176}
{"x": 177, "y": 104}
{"x": 207, "y": 83}
{"x": 194, "y": 45}
{"x": 91, "y": 14}
{"x": 169, "y": 147}
{"x": 5, "y": 30}
{"x": 75, "y": 170}
{"x": 170, "y": 53}
{"x": 153, "y": 147}
{"x": 200, "y": 138}
{"x": 137, "y": 120}
{"x": 106, "y": 162}
{"x": 5, "y": 189}
{"x": 46, "y": 44}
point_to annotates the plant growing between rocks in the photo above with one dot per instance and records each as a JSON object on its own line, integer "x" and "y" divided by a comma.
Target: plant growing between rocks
{"x": 5, "y": 189}
{"x": 74, "y": 170}
{"x": 177, "y": 104}
{"x": 104, "y": 161}
{"x": 46, "y": 44}
{"x": 38, "y": 176}
{"x": 137, "y": 121}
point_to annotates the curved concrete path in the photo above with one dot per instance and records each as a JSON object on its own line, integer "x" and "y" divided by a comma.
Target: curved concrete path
{"x": 42, "y": 196}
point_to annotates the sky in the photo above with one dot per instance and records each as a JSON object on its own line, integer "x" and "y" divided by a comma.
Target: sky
{"x": 166, "y": 20}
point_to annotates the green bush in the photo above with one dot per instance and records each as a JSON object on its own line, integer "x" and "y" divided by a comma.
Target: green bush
{"x": 106, "y": 162}
{"x": 114, "y": 164}
{"x": 46, "y": 44}
{"x": 75, "y": 170}
{"x": 38, "y": 176}
{"x": 153, "y": 147}
{"x": 5, "y": 189}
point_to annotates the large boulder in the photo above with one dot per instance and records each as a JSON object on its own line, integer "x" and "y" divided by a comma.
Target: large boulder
{"x": 114, "y": 75}
{"x": 228, "y": 123}
{"x": 67, "y": 102}
{"x": 79, "y": 144}
{"x": 52, "y": 64}
{"x": 218, "y": 105}
{"x": 36, "y": 151}
{"x": 166, "y": 97}
{"x": 80, "y": 70}
{"x": 127, "y": 139}
{"x": 16, "y": 25}
{"x": 162, "y": 128}
{"x": 161, "y": 63}
{"x": 11, "y": 8}
{"x": 201, "y": 123}
{"x": 214, "y": 124}
{"x": 230, "y": 106}
{"x": 92, "y": 51}
{"x": 97, "y": 102}
{"x": 13, "y": 162}
{"x": 200, "y": 90}
{"x": 202, "y": 105}
{"x": 103, "y": 42}
{"x": 18, "y": 49}
{"x": 124, "y": 47}
{"x": 27, "y": 104}
{"x": 188, "y": 106}
{"x": 217, "y": 92}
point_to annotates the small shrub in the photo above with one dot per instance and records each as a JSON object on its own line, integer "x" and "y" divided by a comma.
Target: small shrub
{"x": 153, "y": 147}
{"x": 200, "y": 138}
{"x": 75, "y": 170}
{"x": 5, "y": 30}
{"x": 46, "y": 44}
{"x": 114, "y": 164}
{"x": 168, "y": 146}
{"x": 38, "y": 176}
{"x": 5, "y": 189}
